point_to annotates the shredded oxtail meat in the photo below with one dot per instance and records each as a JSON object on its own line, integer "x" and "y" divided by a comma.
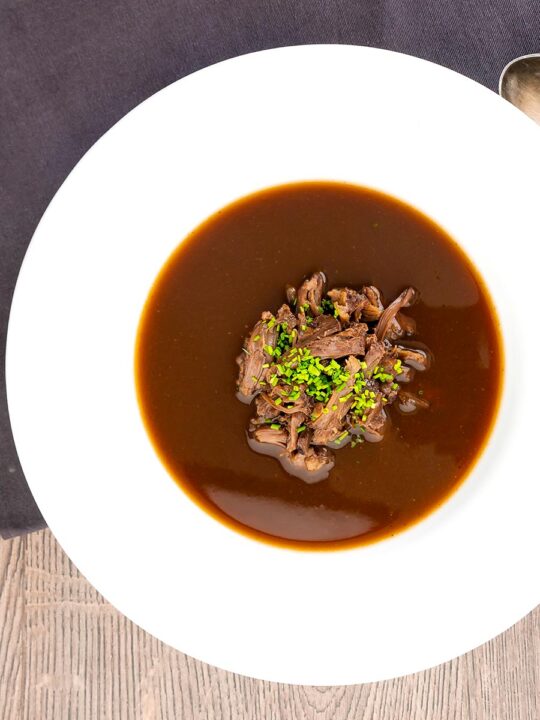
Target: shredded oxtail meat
{"x": 323, "y": 370}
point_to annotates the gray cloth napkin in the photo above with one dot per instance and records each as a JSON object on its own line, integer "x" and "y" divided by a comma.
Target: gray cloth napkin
{"x": 71, "y": 69}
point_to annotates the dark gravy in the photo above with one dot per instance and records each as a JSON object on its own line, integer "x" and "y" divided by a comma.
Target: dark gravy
{"x": 212, "y": 290}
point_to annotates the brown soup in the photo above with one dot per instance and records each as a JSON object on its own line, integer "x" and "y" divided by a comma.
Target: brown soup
{"x": 210, "y": 293}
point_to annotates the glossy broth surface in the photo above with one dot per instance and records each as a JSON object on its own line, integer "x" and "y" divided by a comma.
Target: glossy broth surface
{"x": 209, "y": 295}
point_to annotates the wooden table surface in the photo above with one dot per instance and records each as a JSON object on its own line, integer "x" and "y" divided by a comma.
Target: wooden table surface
{"x": 66, "y": 654}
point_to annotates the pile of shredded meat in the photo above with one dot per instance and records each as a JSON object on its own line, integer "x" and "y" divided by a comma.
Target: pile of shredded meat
{"x": 323, "y": 371}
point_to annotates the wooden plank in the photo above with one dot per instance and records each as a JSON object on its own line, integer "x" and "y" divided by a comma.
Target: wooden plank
{"x": 79, "y": 659}
{"x": 12, "y": 636}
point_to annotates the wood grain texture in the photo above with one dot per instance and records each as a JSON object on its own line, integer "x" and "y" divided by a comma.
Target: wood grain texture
{"x": 66, "y": 654}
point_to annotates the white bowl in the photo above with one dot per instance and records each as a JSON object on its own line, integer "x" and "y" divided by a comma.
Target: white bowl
{"x": 410, "y": 128}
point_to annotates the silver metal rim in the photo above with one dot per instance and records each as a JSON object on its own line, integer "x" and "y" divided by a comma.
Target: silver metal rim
{"x": 508, "y": 65}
